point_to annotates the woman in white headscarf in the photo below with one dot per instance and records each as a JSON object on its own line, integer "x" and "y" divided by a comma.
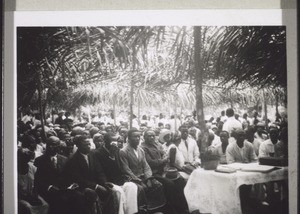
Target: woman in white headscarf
{"x": 164, "y": 138}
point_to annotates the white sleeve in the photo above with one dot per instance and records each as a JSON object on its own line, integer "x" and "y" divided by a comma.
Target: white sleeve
{"x": 196, "y": 153}
{"x": 262, "y": 150}
{"x": 225, "y": 127}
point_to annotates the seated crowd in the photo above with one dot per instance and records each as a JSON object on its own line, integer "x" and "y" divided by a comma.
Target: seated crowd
{"x": 103, "y": 168}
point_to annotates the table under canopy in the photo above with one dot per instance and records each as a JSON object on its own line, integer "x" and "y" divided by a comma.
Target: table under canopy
{"x": 214, "y": 192}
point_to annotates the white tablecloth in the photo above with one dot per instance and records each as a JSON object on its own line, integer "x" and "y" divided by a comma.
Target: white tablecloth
{"x": 213, "y": 192}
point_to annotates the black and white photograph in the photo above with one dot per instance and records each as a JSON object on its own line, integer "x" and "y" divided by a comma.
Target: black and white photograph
{"x": 152, "y": 119}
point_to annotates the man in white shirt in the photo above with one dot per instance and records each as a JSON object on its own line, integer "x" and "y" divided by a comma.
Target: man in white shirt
{"x": 231, "y": 123}
{"x": 223, "y": 117}
{"x": 260, "y": 134}
{"x": 240, "y": 150}
{"x": 189, "y": 148}
{"x": 175, "y": 123}
{"x": 267, "y": 147}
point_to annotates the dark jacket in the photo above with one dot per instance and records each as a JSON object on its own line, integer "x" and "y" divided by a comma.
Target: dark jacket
{"x": 111, "y": 168}
{"x": 77, "y": 171}
{"x": 154, "y": 154}
{"x": 47, "y": 174}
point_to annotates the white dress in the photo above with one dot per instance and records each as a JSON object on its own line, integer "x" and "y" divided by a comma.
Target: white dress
{"x": 179, "y": 158}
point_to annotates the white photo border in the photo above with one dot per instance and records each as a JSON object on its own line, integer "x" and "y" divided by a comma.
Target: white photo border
{"x": 216, "y": 17}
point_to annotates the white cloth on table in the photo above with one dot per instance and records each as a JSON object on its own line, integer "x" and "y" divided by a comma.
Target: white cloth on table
{"x": 218, "y": 193}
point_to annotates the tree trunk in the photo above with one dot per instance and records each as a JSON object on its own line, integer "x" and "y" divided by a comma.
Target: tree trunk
{"x": 276, "y": 103}
{"x": 41, "y": 107}
{"x": 175, "y": 114}
{"x": 114, "y": 111}
{"x": 139, "y": 111}
{"x": 132, "y": 87}
{"x": 180, "y": 116}
{"x": 231, "y": 102}
{"x": 52, "y": 115}
{"x": 89, "y": 116}
{"x": 266, "y": 110}
{"x": 131, "y": 102}
{"x": 198, "y": 77}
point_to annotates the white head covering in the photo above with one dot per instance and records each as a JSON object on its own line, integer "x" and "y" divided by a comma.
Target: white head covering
{"x": 162, "y": 134}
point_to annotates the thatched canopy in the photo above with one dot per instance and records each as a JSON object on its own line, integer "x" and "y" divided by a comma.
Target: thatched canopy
{"x": 94, "y": 65}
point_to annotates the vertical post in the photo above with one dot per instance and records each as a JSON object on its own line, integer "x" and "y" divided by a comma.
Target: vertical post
{"x": 114, "y": 111}
{"x": 41, "y": 105}
{"x": 175, "y": 113}
{"x": 181, "y": 112}
{"x": 231, "y": 102}
{"x": 276, "y": 102}
{"x": 139, "y": 110}
{"x": 132, "y": 86}
{"x": 266, "y": 110}
{"x": 52, "y": 115}
{"x": 131, "y": 102}
{"x": 198, "y": 77}
{"x": 79, "y": 114}
{"x": 89, "y": 115}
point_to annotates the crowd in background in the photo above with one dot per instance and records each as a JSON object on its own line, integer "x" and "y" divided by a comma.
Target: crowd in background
{"x": 67, "y": 166}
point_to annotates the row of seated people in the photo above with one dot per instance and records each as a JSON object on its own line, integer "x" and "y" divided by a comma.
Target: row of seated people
{"x": 177, "y": 150}
{"x": 243, "y": 147}
{"x": 105, "y": 180}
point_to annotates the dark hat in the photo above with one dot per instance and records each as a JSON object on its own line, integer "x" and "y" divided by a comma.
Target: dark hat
{"x": 53, "y": 140}
{"x": 172, "y": 174}
{"x": 98, "y": 137}
{"x": 77, "y": 131}
{"x": 93, "y": 131}
{"x": 51, "y": 133}
{"x": 88, "y": 126}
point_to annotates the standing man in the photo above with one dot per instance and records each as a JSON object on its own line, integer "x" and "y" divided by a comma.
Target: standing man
{"x": 189, "y": 147}
{"x": 231, "y": 123}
